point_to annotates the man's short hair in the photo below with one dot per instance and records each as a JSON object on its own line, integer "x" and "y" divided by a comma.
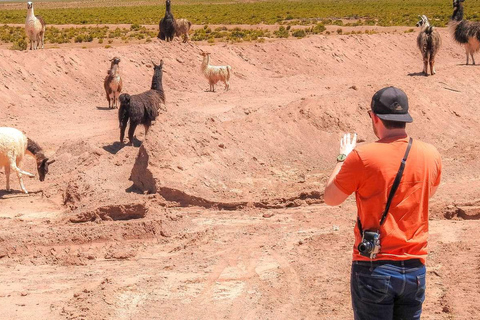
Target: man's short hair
{"x": 394, "y": 124}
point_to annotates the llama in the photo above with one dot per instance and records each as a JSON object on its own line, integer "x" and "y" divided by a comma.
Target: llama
{"x": 34, "y": 28}
{"x": 429, "y": 42}
{"x": 465, "y": 32}
{"x": 142, "y": 108}
{"x": 167, "y": 25}
{"x": 13, "y": 146}
{"x": 215, "y": 73}
{"x": 182, "y": 27}
{"x": 113, "y": 83}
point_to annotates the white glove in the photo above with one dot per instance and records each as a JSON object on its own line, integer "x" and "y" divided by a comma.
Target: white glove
{"x": 347, "y": 144}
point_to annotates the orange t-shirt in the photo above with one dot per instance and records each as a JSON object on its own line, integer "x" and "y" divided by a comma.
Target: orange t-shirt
{"x": 369, "y": 171}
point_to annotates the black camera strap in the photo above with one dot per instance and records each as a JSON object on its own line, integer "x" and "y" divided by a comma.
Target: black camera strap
{"x": 395, "y": 185}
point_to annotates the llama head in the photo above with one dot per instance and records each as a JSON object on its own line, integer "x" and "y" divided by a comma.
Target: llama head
{"x": 115, "y": 60}
{"x": 42, "y": 168}
{"x": 158, "y": 66}
{"x": 423, "y": 21}
{"x": 456, "y": 3}
{"x": 205, "y": 54}
{"x": 167, "y": 4}
{"x": 29, "y": 5}
{"x": 457, "y": 10}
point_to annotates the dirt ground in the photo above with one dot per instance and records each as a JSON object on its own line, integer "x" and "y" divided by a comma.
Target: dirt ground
{"x": 234, "y": 226}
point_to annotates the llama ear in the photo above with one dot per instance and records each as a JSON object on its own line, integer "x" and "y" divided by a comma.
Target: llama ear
{"x": 161, "y": 63}
{"x": 154, "y": 65}
{"x": 49, "y": 162}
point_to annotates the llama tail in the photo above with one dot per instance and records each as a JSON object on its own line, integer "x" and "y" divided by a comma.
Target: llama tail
{"x": 123, "y": 111}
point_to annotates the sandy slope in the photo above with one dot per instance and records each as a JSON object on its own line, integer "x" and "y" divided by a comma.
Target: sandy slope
{"x": 263, "y": 148}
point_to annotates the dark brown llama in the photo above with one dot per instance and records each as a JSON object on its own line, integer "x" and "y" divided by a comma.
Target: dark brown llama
{"x": 167, "y": 25}
{"x": 465, "y": 32}
{"x": 142, "y": 108}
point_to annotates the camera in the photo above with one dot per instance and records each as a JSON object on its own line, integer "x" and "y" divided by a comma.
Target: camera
{"x": 370, "y": 245}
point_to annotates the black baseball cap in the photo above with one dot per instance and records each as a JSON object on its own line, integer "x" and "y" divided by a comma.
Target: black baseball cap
{"x": 391, "y": 104}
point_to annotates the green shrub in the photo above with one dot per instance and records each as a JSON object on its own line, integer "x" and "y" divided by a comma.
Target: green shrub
{"x": 300, "y": 33}
{"x": 20, "y": 44}
{"x": 318, "y": 28}
{"x": 281, "y": 33}
{"x": 135, "y": 27}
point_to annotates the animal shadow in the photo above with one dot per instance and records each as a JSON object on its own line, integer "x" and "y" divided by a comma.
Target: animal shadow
{"x": 417, "y": 74}
{"x": 105, "y": 108}
{"x": 114, "y": 148}
{"x": 133, "y": 189}
{"x": 16, "y": 193}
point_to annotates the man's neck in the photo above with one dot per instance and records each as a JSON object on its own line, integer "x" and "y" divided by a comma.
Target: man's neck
{"x": 393, "y": 133}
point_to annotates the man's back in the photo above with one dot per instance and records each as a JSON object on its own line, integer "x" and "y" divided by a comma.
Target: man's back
{"x": 370, "y": 171}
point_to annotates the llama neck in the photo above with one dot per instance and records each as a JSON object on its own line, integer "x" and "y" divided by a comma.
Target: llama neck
{"x": 157, "y": 81}
{"x": 168, "y": 7}
{"x": 30, "y": 14}
{"x": 426, "y": 25}
{"x": 458, "y": 13}
{"x": 34, "y": 149}
{"x": 114, "y": 70}
{"x": 205, "y": 62}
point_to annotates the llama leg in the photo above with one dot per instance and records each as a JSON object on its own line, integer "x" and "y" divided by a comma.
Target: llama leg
{"x": 14, "y": 165}
{"x": 425, "y": 65}
{"x": 432, "y": 67}
{"x": 43, "y": 39}
{"x": 147, "y": 127}
{"x": 466, "y": 50}
{"x": 123, "y": 126}
{"x": 19, "y": 175}
{"x": 7, "y": 176}
{"x": 131, "y": 131}
{"x": 473, "y": 59}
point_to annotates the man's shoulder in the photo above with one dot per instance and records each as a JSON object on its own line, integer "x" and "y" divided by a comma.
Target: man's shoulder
{"x": 427, "y": 148}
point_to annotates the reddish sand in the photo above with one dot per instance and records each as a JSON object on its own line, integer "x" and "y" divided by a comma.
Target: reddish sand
{"x": 234, "y": 226}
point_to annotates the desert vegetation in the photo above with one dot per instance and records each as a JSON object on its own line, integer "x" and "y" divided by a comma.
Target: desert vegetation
{"x": 294, "y": 19}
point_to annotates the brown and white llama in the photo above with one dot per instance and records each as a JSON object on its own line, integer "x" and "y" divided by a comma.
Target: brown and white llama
{"x": 182, "y": 28}
{"x": 113, "y": 83}
{"x": 465, "y": 32}
{"x": 14, "y": 144}
{"x": 429, "y": 42}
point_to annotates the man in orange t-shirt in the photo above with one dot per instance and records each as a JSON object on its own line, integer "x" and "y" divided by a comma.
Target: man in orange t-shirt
{"x": 389, "y": 284}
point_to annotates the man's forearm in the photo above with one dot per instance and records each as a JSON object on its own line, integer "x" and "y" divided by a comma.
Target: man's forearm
{"x": 336, "y": 170}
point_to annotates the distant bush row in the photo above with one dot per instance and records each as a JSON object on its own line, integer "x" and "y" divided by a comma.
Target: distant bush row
{"x": 16, "y": 35}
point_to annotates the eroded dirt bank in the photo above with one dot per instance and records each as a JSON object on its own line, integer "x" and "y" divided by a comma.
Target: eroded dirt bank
{"x": 222, "y": 215}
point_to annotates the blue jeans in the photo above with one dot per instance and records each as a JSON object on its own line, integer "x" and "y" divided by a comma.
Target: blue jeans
{"x": 387, "y": 289}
